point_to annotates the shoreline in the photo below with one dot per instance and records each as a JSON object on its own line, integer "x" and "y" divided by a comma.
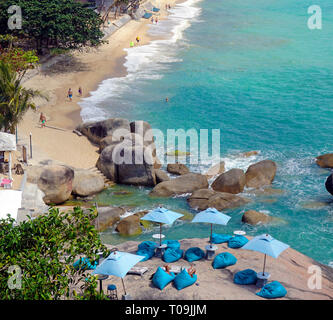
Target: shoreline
{"x": 87, "y": 69}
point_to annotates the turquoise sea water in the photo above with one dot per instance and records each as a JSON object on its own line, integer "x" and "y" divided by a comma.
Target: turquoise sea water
{"x": 255, "y": 71}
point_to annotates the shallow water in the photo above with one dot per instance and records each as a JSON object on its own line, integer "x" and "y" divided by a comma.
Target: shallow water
{"x": 256, "y": 72}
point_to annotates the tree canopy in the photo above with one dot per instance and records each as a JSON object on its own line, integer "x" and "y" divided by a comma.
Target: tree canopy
{"x": 66, "y": 23}
{"x": 44, "y": 249}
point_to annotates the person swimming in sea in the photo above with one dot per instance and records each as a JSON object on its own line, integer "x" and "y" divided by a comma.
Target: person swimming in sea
{"x": 166, "y": 99}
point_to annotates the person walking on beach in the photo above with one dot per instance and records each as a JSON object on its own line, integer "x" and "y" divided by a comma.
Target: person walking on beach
{"x": 70, "y": 94}
{"x": 80, "y": 91}
{"x": 42, "y": 119}
{"x": 137, "y": 39}
{"x": 131, "y": 44}
{"x": 156, "y": 20}
{"x": 152, "y": 20}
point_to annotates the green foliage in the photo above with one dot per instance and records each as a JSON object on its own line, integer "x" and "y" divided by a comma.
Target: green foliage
{"x": 19, "y": 59}
{"x": 67, "y": 23}
{"x": 14, "y": 99}
{"x": 45, "y": 249}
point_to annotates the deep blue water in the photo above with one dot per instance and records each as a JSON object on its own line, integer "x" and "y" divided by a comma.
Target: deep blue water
{"x": 255, "y": 71}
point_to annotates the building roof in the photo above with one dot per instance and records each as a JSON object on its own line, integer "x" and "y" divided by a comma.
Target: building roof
{"x": 7, "y": 142}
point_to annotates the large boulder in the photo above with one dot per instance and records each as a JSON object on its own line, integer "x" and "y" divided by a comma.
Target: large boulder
{"x": 329, "y": 184}
{"x": 177, "y": 168}
{"x": 215, "y": 170}
{"x": 87, "y": 183}
{"x": 96, "y": 131}
{"x": 232, "y": 181}
{"x": 255, "y": 217}
{"x": 260, "y": 174}
{"x": 161, "y": 176}
{"x": 325, "y": 160}
{"x": 131, "y": 161}
{"x": 56, "y": 182}
{"x": 107, "y": 217}
{"x": 129, "y": 226}
{"x": 184, "y": 184}
{"x": 207, "y": 198}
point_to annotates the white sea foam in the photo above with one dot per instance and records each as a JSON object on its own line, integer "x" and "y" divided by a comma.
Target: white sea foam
{"x": 142, "y": 62}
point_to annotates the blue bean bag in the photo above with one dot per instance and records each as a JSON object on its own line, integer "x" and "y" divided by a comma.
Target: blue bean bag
{"x": 223, "y": 260}
{"x": 146, "y": 249}
{"x": 183, "y": 280}
{"x": 220, "y": 238}
{"x": 194, "y": 254}
{"x": 247, "y": 276}
{"x": 272, "y": 290}
{"x": 161, "y": 278}
{"x": 84, "y": 264}
{"x": 174, "y": 244}
{"x": 172, "y": 255}
{"x": 237, "y": 242}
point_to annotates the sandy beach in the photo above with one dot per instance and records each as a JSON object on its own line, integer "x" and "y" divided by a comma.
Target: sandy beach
{"x": 86, "y": 69}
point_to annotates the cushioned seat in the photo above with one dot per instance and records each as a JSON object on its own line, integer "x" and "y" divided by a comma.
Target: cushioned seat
{"x": 84, "y": 264}
{"x": 194, "y": 254}
{"x": 272, "y": 290}
{"x": 247, "y": 276}
{"x": 220, "y": 238}
{"x": 172, "y": 255}
{"x": 146, "y": 249}
{"x": 173, "y": 244}
{"x": 223, "y": 260}
{"x": 237, "y": 242}
{"x": 161, "y": 278}
{"x": 183, "y": 280}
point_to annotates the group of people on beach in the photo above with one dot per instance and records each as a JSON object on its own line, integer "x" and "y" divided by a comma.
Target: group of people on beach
{"x": 167, "y": 6}
{"x": 154, "y": 20}
{"x": 70, "y": 93}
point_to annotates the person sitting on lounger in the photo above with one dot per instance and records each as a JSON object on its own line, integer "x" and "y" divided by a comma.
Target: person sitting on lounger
{"x": 167, "y": 269}
{"x": 191, "y": 271}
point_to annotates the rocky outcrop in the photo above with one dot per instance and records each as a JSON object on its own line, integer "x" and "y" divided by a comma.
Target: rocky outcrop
{"x": 232, "y": 181}
{"x": 177, "y": 168}
{"x": 161, "y": 176}
{"x": 96, "y": 131}
{"x": 130, "y": 161}
{"x": 329, "y": 184}
{"x": 184, "y": 184}
{"x": 129, "y": 226}
{"x": 215, "y": 170}
{"x": 87, "y": 183}
{"x": 254, "y": 217}
{"x": 207, "y": 198}
{"x": 260, "y": 174}
{"x": 56, "y": 182}
{"x": 107, "y": 217}
{"x": 325, "y": 160}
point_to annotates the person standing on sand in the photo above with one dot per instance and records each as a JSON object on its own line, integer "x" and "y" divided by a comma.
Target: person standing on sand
{"x": 137, "y": 39}
{"x": 156, "y": 20}
{"x": 152, "y": 20}
{"x": 80, "y": 91}
{"x": 42, "y": 119}
{"x": 70, "y": 94}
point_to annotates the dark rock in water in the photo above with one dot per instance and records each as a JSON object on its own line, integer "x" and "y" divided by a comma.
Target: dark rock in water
{"x": 186, "y": 183}
{"x": 96, "y": 131}
{"x": 329, "y": 184}
{"x": 207, "y": 198}
{"x": 232, "y": 181}
{"x": 260, "y": 174}
{"x": 107, "y": 217}
{"x": 177, "y": 168}
{"x": 56, "y": 182}
{"x": 143, "y": 129}
{"x": 325, "y": 160}
{"x": 161, "y": 176}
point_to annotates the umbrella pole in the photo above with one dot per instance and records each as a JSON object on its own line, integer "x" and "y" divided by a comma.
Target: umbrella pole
{"x": 160, "y": 234}
{"x": 263, "y": 271}
{"x": 122, "y": 280}
{"x": 211, "y": 234}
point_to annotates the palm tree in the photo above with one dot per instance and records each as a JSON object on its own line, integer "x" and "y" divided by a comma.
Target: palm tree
{"x": 15, "y": 100}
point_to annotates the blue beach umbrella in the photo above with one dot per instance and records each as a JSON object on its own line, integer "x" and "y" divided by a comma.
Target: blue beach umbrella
{"x": 212, "y": 216}
{"x": 266, "y": 244}
{"x": 117, "y": 264}
{"x": 162, "y": 215}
